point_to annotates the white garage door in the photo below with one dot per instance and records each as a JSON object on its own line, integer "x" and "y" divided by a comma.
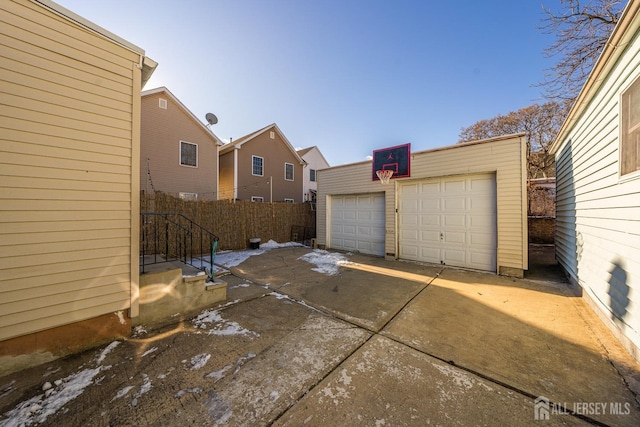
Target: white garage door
{"x": 449, "y": 221}
{"x": 357, "y": 223}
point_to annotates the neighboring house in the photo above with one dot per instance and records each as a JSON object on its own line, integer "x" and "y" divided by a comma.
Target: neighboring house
{"x": 69, "y": 174}
{"x": 598, "y": 184}
{"x": 178, "y": 153}
{"x": 464, "y": 205}
{"x": 315, "y": 161}
{"x": 263, "y": 167}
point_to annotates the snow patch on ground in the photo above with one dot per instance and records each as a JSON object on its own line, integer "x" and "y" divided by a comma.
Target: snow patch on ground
{"x": 326, "y": 262}
{"x": 39, "y": 408}
{"x": 138, "y": 331}
{"x": 233, "y": 258}
{"x": 212, "y": 320}
{"x": 120, "y": 317}
{"x": 144, "y": 388}
{"x": 242, "y": 285}
{"x": 219, "y": 374}
{"x": 198, "y": 361}
{"x": 151, "y": 350}
{"x": 122, "y": 392}
{"x": 106, "y": 351}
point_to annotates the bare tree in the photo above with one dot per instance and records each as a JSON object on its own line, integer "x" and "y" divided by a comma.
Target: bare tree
{"x": 540, "y": 123}
{"x": 582, "y": 30}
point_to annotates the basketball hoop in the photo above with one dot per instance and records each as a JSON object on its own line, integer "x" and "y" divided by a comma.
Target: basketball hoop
{"x": 384, "y": 175}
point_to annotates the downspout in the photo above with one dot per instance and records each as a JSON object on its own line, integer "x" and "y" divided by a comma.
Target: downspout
{"x": 235, "y": 174}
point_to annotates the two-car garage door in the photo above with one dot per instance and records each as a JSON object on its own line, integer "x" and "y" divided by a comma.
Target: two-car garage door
{"x": 449, "y": 221}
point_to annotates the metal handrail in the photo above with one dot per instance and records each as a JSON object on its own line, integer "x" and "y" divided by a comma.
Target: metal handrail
{"x": 173, "y": 236}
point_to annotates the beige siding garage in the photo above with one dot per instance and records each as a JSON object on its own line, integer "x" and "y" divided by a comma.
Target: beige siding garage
{"x": 69, "y": 161}
{"x": 503, "y": 159}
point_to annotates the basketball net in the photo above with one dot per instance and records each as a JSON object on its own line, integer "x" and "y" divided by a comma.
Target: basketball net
{"x": 384, "y": 175}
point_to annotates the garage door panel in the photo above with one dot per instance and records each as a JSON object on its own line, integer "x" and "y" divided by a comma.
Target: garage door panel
{"x": 455, "y": 257}
{"x": 430, "y": 187}
{"x": 429, "y": 205}
{"x": 454, "y": 238}
{"x": 430, "y": 255}
{"x": 409, "y": 235}
{"x": 455, "y": 220}
{"x": 429, "y": 236}
{"x": 408, "y": 219}
{"x": 453, "y": 204}
{"x": 454, "y": 186}
{"x": 430, "y": 220}
{"x": 481, "y": 185}
{"x": 358, "y": 223}
{"x": 456, "y": 224}
{"x": 409, "y": 251}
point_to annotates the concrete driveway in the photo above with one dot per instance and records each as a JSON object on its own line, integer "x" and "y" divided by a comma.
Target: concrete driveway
{"x": 378, "y": 343}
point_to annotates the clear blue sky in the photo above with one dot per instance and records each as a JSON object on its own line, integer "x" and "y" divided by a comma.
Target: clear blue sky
{"x": 348, "y": 76}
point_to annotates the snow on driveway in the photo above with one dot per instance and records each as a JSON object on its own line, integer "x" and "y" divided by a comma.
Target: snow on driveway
{"x": 57, "y": 394}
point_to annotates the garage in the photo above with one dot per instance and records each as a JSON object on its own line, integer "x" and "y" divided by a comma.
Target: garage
{"x": 463, "y": 205}
{"x": 358, "y": 223}
{"x": 449, "y": 221}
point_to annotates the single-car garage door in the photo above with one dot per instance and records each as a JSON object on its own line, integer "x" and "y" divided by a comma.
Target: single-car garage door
{"x": 357, "y": 223}
{"x": 449, "y": 221}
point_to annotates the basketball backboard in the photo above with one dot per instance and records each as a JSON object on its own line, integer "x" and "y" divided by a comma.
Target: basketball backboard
{"x": 396, "y": 158}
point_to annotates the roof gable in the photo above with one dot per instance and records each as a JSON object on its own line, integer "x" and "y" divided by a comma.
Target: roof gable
{"x": 238, "y": 143}
{"x": 176, "y": 101}
{"x": 308, "y": 150}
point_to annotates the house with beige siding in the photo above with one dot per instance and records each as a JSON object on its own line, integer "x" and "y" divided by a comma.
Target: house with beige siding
{"x": 69, "y": 182}
{"x": 598, "y": 185}
{"x": 463, "y": 205}
{"x": 262, "y": 166}
{"x": 315, "y": 161}
{"x": 178, "y": 153}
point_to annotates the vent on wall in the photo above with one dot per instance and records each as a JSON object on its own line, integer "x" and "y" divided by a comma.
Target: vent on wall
{"x": 162, "y": 103}
{"x": 272, "y": 135}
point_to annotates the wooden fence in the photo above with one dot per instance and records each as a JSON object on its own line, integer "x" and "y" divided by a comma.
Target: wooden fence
{"x": 236, "y": 222}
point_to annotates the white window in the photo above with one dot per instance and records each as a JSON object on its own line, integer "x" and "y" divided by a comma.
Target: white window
{"x": 288, "y": 171}
{"x": 289, "y": 201}
{"x": 257, "y": 199}
{"x": 257, "y": 167}
{"x": 188, "y": 154}
{"x": 162, "y": 103}
{"x": 188, "y": 196}
{"x": 272, "y": 135}
{"x": 312, "y": 175}
{"x": 630, "y": 132}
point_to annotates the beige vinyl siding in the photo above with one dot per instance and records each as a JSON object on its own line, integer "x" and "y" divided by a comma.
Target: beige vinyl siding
{"x": 597, "y": 210}
{"x": 275, "y": 154}
{"x": 68, "y": 171}
{"x": 162, "y": 132}
{"x": 502, "y": 156}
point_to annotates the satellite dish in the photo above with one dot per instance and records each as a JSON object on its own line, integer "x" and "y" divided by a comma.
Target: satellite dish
{"x": 211, "y": 118}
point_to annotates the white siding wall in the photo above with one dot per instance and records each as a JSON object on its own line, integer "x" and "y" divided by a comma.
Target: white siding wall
{"x": 503, "y": 156}
{"x": 68, "y": 171}
{"x": 316, "y": 161}
{"x": 597, "y": 211}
